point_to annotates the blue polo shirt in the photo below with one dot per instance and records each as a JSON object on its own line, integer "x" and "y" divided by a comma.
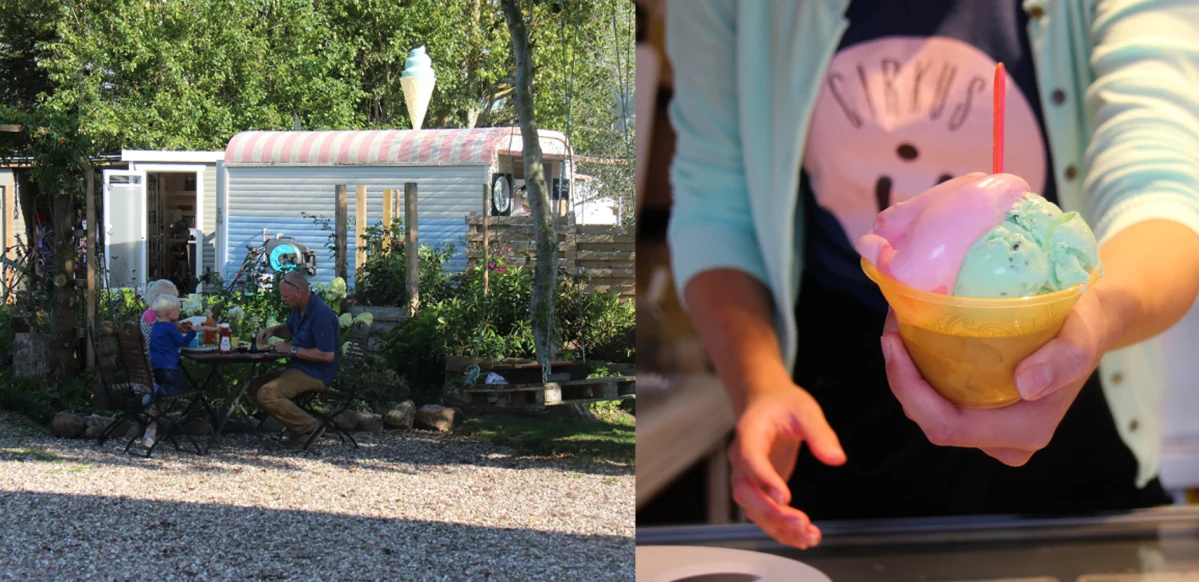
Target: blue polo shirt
{"x": 316, "y": 328}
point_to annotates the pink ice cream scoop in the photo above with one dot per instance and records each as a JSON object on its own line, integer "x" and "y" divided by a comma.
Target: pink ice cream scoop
{"x": 922, "y": 242}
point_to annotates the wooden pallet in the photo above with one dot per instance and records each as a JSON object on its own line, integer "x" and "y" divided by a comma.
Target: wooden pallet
{"x": 552, "y": 393}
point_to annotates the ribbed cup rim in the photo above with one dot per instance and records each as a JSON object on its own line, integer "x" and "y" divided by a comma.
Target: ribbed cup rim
{"x": 1069, "y": 293}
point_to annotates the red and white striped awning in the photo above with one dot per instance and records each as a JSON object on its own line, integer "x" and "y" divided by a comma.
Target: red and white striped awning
{"x": 429, "y": 146}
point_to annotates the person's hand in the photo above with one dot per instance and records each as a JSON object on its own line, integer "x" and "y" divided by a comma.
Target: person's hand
{"x": 264, "y": 335}
{"x": 764, "y": 453}
{"x": 282, "y": 347}
{"x": 1049, "y": 380}
{"x": 185, "y": 327}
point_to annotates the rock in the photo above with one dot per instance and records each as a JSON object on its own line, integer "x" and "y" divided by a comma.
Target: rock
{"x": 402, "y": 416}
{"x": 197, "y": 427}
{"x": 68, "y": 426}
{"x": 436, "y": 417}
{"x": 576, "y": 410}
{"x": 271, "y": 425}
{"x": 629, "y": 405}
{"x": 453, "y": 396}
{"x": 347, "y": 420}
{"x": 95, "y": 425}
{"x": 31, "y": 354}
{"x": 370, "y": 422}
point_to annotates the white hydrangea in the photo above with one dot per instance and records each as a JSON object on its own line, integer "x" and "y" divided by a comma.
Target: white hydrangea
{"x": 337, "y": 289}
{"x": 366, "y": 316}
{"x": 274, "y": 340}
{"x": 345, "y": 320}
{"x": 270, "y": 322}
{"x": 193, "y": 304}
{"x": 236, "y": 313}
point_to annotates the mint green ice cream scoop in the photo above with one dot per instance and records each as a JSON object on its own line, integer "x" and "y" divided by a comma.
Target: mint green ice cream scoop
{"x": 1037, "y": 249}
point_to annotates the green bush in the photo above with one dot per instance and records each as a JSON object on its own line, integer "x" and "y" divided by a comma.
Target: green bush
{"x": 381, "y": 387}
{"x": 498, "y": 326}
{"x": 119, "y": 305}
{"x": 40, "y": 400}
{"x": 599, "y": 326}
{"x": 383, "y": 279}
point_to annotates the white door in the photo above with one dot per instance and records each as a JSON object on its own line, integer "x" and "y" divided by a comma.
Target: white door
{"x": 125, "y": 229}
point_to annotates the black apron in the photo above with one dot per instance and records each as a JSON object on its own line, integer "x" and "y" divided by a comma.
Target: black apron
{"x": 893, "y": 471}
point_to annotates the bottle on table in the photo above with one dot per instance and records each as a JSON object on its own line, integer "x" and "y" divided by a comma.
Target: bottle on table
{"x": 209, "y": 336}
{"x": 226, "y": 343}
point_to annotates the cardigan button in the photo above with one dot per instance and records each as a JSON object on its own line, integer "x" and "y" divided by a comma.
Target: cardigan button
{"x": 1132, "y": 426}
{"x": 1035, "y": 12}
{"x": 1117, "y": 378}
{"x": 1071, "y": 172}
{"x": 1058, "y": 96}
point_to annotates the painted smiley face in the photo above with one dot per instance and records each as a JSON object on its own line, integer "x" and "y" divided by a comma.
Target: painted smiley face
{"x": 898, "y": 115}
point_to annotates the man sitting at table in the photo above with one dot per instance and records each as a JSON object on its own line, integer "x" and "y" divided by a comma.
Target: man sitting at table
{"x": 315, "y": 335}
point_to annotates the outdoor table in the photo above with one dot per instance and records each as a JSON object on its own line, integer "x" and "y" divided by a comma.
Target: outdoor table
{"x": 216, "y": 380}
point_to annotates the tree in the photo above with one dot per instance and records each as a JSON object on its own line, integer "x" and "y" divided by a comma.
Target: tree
{"x": 545, "y": 272}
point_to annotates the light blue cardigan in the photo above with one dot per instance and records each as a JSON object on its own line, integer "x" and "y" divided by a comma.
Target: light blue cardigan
{"x": 1125, "y": 143}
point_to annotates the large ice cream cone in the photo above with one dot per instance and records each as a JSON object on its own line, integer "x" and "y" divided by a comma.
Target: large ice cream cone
{"x": 417, "y": 92}
{"x": 418, "y": 81}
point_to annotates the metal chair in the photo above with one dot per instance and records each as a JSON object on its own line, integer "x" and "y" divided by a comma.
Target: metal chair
{"x": 138, "y": 371}
{"x": 325, "y": 405}
{"x": 121, "y": 394}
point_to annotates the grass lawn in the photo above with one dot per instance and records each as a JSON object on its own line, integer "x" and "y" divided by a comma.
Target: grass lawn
{"x": 611, "y": 438}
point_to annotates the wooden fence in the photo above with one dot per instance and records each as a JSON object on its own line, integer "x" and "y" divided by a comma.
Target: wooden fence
{"x": 606, "y": 254}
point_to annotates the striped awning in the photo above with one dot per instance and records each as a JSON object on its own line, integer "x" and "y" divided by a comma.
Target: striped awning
{"x": 429, "y": 146}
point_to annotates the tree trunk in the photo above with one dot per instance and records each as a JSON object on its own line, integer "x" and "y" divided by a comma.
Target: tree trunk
{"x": 546, "y": 270}
{"x": 64, "y": 302}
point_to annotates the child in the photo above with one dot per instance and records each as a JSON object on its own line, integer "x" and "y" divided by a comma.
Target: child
{"x": 166, "y": 337}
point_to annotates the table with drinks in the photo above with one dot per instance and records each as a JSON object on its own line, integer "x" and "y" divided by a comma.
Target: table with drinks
{"x": 215, "y": 349}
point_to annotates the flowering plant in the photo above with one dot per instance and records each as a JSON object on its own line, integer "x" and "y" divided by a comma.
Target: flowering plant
{"x": 192, "y": 305}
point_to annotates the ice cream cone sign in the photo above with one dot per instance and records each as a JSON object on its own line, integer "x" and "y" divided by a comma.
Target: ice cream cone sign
{"x": 418, "y": 80}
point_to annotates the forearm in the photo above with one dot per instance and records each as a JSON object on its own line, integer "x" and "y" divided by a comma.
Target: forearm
{"x": 280, "y": 330}
{"x": 1151, "y": 278}
{"x": 732, "y": 313}
{"x": 315, "y": 355}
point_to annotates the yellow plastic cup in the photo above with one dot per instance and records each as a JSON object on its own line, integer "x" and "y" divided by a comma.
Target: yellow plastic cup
{"x": 968, "y": 349}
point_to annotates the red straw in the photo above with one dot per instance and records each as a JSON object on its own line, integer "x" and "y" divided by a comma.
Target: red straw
{"x": 1000, "y": 82}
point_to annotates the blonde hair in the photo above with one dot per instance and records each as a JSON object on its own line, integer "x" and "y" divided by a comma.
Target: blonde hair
{"x": 158, "y": 289}
{"x": 165, "y": 304}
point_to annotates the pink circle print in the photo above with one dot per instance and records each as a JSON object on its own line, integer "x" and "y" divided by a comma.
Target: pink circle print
{"x": 898, "y": 115}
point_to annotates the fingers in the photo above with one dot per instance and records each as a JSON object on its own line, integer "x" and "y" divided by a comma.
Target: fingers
{"x": 935, "y": 415}
{"x": 750, "y": 452}
{"x": 821, "y": 439}
{"x": 1009, "y": 456}
{"x": 1067, "y": 358}
{"x": 785, "y": 524}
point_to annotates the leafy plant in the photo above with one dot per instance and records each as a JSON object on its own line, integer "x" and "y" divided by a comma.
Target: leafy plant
{"x": 381, "y": 387}
{"x": 36, "y": 397}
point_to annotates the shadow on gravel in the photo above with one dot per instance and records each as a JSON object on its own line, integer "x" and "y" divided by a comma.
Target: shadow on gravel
{"x": 404, "y": 452}
{"x": 51, "y": 536}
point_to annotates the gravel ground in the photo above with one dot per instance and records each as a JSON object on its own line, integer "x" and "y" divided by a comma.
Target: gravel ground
{"x": 410, "y": 506}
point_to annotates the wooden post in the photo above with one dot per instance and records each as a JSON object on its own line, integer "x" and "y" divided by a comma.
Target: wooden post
{"x": 359, "y": 227}
{"x": 387, "y": 218}
{"x": 339, "y": 230}
{"x": 412, "y": 247}
{"x": 90, "y": 256}
{"x": 486, "y": 270}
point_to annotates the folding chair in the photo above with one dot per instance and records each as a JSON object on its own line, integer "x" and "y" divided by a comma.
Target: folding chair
{"x": 325, "y": 405}
{"x": 121, "y": 394}
{"x": 137, "y": 369}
